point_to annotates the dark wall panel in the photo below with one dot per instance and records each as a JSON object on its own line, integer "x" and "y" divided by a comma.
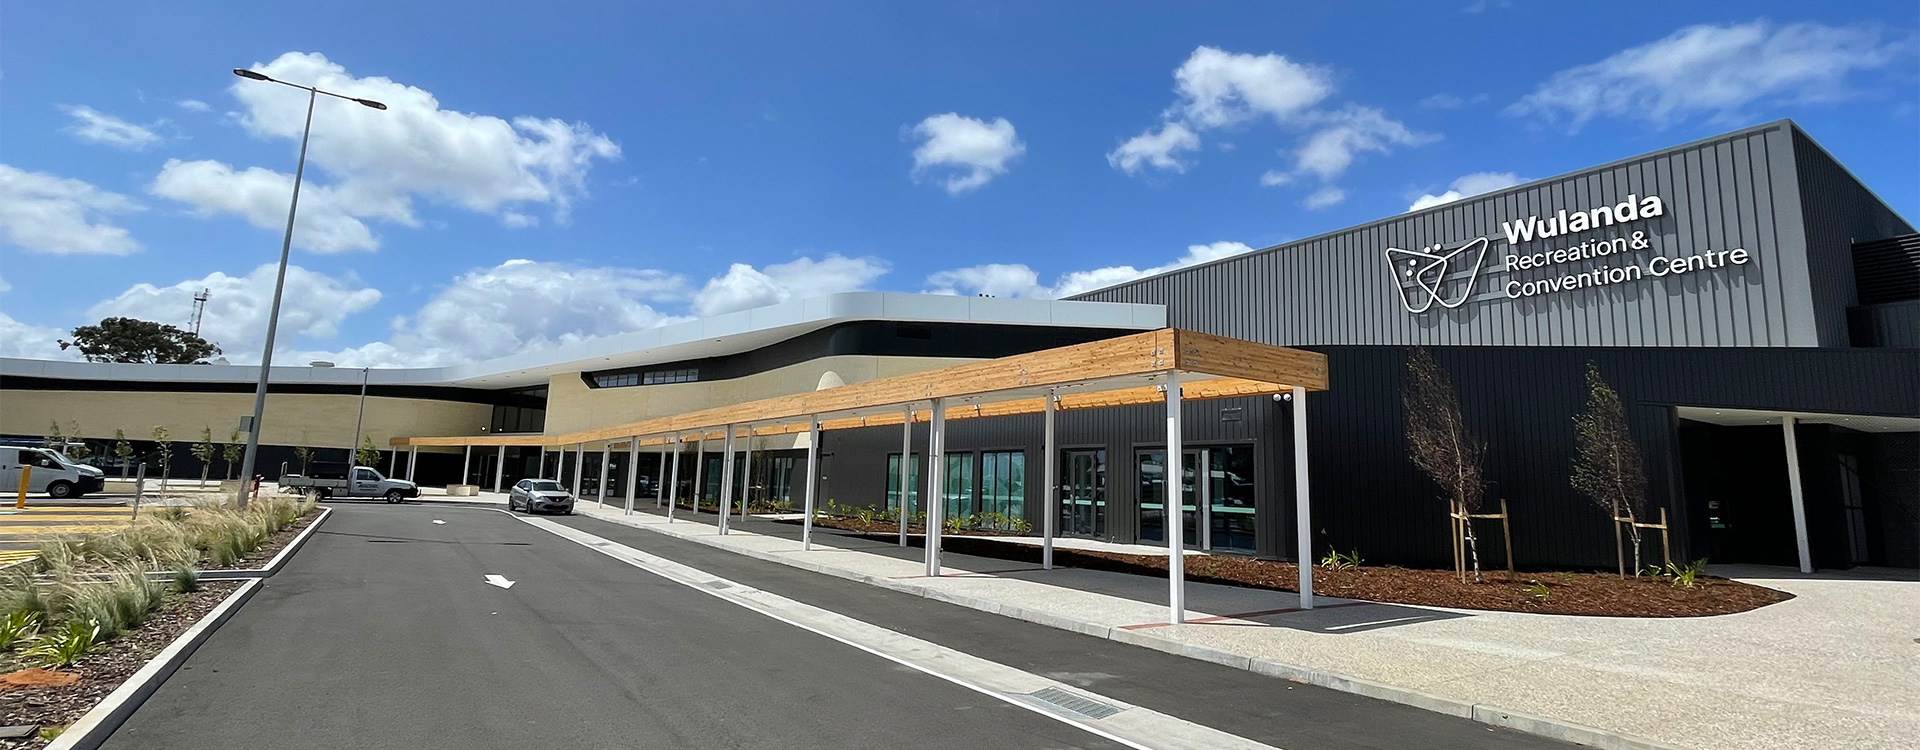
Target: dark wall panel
{"x": 1839, "y": 212}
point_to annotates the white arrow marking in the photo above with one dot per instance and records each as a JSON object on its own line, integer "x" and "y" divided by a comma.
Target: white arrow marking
{"x": 499, "y": 580}
{"x": 438, "y": 521}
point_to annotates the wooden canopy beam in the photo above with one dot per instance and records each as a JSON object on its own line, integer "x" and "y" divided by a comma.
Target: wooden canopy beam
{"x": 1096, "y": 374}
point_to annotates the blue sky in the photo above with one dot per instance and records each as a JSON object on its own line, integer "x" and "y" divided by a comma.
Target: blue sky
{"x": 555, "y": 171}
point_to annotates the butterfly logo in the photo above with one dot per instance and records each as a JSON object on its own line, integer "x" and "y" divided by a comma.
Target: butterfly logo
{"x": 1431, "y": 274}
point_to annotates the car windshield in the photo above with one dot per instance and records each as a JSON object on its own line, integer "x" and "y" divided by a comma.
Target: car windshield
{"x": 545, "y": 486}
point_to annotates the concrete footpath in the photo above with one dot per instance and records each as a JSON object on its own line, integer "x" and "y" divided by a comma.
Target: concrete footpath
{"x": 1838, "y": 666}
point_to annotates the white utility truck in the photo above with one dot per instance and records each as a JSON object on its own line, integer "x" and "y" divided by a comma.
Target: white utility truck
{"x": 325, "y": 479}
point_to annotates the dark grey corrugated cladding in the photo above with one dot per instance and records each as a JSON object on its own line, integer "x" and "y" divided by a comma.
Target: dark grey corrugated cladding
{"x": 1739, "y": 190}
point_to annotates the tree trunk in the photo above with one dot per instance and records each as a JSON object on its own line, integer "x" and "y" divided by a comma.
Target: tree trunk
{"x": 1633, "y": 535}
{"x": 1473, "y": 547}
{"x": 205, "y": 466}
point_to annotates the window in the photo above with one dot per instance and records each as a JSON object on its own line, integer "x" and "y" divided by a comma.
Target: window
{"x": 658, "y": 377}
{"x": 956, "y": 499}
{"x": 616, "y": 380}
{"x": 780, "y": 477}
{"x": 365, "y": 475}
{"x": 1003, "y": 483}
{"x": 893, "y": 482}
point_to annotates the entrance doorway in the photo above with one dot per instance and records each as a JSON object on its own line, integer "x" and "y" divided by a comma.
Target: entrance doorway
{"x": 1083, "y": 501}
{"x": 1736, "y": 482}
{"x": 1224, "y": 501}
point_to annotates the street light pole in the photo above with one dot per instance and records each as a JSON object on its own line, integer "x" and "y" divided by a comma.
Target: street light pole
{"x": 353, "y": 453}
{"x": 280, "y": 282}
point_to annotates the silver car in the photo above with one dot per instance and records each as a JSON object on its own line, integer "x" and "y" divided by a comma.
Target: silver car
{"x": 539, "y": 496}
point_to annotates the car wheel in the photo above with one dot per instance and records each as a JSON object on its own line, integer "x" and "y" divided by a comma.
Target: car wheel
{"x": 394, "y": 496}
{"x": 60, "y": 490}
{"x": 323, "y": 494}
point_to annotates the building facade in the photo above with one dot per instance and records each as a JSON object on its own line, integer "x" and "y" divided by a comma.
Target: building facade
{"x": 1735, "y": 291}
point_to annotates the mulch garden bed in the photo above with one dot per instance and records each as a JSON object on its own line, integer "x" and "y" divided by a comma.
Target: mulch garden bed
{"x": 57, "y": 706}
{"x": 1564, "y": 593}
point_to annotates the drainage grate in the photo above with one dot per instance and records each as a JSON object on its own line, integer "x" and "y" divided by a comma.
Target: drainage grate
{"x": 1074, "y": 704}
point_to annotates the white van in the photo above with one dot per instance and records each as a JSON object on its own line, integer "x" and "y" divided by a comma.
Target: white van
{"x": 54, "y": 474}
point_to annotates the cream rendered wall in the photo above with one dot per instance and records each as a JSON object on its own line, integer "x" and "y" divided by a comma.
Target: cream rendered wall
{"x": 572, "y": 406}
{"x": 316, "y": 420}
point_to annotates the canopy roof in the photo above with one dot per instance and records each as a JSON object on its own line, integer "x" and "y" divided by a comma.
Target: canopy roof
{"x": 1111, "y": 372}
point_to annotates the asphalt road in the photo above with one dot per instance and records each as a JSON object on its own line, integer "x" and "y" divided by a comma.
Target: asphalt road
{"x": 381, "y": 633}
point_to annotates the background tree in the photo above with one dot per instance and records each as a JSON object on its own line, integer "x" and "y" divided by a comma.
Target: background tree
{"x": 165, "y": 447}
{"x": 1439, "y": 443}
{"x": 53, "y": 439}
{"x": 231, "y": 450}
{"x": 135, "y": 340}
{"x": 203, "y": 450}
{"x": 304, "y": 455}
{"x": 122, "y": 450}
{"x": 368, "y": 454}
{"x": 1607, "y": 466}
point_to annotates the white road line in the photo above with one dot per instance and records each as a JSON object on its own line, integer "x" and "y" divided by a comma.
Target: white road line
{"x": 494, "y": 579}
{"x": 438, "y": 521}
{"x": 1131, "y": 725}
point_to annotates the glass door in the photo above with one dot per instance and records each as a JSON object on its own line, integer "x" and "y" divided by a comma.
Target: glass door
{"x": 1083, "y": 498}
{"x": 1151, "y": 470}
{"x": 1229, "y": 492}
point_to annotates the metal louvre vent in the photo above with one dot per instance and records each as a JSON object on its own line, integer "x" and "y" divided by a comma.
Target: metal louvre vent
{"x": 1062, "y": 700}
{"x": 1887, "y": 270}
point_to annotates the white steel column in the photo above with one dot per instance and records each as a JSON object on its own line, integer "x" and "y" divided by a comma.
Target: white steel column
{"x": 1049, "y": 487}
{"x": 413, "y": 457}
{"x": 606, "y": 464}
{"x": 673, "y": 482}
{"x": 659, "y": 486}
{"x": 466, "y": 463}
{"x": 746, "y": 475}
{"x": 633, "y": 471}
{"x": 500, "y": 469}
{"x": 699, "y": 487}
{"x": 1787, "y": 424}
{"x": 1302, "y": 499}
{"x": 726, "y": 480}
{"x": 1175, "y": 524}
{"x": 393, "y": 463}
{"x": 935, "y": 498}
{"x": 813, "y": 478}
{"x": 906, "y": 470}
{"x": 579, "y": 466}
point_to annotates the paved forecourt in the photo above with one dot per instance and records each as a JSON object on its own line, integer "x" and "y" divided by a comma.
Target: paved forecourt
{"x": 384, "y": 632}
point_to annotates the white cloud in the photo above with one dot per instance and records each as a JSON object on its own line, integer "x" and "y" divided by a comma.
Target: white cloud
{"x": 1466, "y": 186}
{"x": 1218, "y": 89}
{"x": 1158, "y": 149}
{"x": 43, "y": 213}
{"x": 237, "y": 307}
{"x": 518, "y": 306}
{"x": 1326, "y": 197}
{"x": 1020, "y": 280}
{"x": 1716, "y": 71}
{"x": 19, "y": 339}
{"x": 1348, "y": 132}
{"x": 193, "y": 105}
{"x": 381, "y": 161}
{"x": 95, "y": 126}
{"x": 743, "y": 286}
{"x": 963, "y": 153}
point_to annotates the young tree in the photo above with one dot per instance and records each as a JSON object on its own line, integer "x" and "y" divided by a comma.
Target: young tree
{"x": 1607, "y": 466}
{"x": 166, "y": 455}
{"x": 368, "y": 454}
{"x": 134, "y": 340}
{"x": 53, "y": 438}
{"x": 122, "y": 450}
{"x": 79, "y": 451}
{"x": 203, "y": 451}
{"x": 1440, "y": 444}
{"x": 304, "y": 455}
{"x": 232, "y": 451}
